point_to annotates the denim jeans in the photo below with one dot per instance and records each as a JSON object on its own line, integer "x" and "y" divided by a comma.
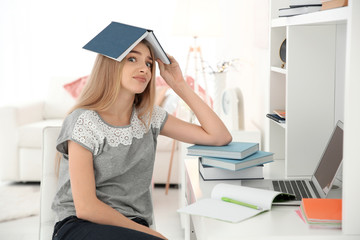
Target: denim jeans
{"x": 73, "y": 228}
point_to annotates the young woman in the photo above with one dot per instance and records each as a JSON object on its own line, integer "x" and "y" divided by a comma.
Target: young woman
{"x": 108, "y": 144}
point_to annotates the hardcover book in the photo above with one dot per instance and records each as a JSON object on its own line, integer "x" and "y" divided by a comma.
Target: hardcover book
{"x": 118, "y": 39}
{"x": 330, "y": 4}
{"x": 321, "y": 213}
{"x": 234, "y": 150}
{"x": 276, "y": 118}
{"x": 302, "y": 3}
{"x": 281, "y": 113}
{"x": 288, "y": 12}
{"x": 213, "y": 173}
{"x": 258, "y": 158}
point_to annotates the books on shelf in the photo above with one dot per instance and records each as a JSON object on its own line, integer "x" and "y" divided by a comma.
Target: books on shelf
{"x": 293, "y": 11}
{"x": 281, "y": 113}
{"x": 330, "y": 4}
{"x": 118, "y": 39}
{"x": 302, "y": 3}
{"x": 298, "y": 7}
{"x": 213, "y": 173}
{"x": 321, "y": 213}
{"x": 234, "y": 150}
{"x": 258, "y": 158}
{"x": 235, "y": 203}
{"x": 276, "y": 118}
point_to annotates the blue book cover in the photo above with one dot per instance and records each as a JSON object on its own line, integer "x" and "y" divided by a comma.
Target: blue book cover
{"x": 258, "y": 158}
{"x": 234, "y": 150}
{"x": 118, "y": 39}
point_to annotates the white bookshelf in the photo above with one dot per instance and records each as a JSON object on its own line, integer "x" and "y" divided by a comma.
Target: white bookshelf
{"x": 317, "y": 87}
{"x": 305, "y": 87}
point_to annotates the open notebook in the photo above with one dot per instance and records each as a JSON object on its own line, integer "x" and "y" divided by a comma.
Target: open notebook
{"x": 250, "y": 202}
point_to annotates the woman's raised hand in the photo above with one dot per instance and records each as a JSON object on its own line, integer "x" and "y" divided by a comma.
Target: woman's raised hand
{"x": 171, "y": 72}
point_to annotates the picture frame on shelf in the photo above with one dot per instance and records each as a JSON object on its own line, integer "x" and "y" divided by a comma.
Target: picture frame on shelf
{"x": 282, "y": 53}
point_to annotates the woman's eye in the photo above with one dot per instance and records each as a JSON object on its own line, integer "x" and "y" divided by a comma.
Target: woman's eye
{"x": 132, "y": 59}
{"x": 148, "y": 64}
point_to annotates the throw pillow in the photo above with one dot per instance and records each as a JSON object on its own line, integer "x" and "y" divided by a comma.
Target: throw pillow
{"x": 74, "y": 88}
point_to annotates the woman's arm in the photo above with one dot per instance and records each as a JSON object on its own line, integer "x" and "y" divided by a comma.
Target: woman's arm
{"x": 211, "y": 131}
{"x": 87, "y": 205}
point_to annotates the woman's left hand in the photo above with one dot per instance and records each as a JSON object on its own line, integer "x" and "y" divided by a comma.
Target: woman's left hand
{"x": 171, "y": 72}
{"x": 211, "y": 131}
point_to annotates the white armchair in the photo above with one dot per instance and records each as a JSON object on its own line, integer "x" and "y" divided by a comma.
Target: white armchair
{"x": 48, "y": 182}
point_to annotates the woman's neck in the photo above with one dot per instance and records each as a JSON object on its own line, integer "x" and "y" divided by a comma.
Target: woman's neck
{"x": 119, "y": 114}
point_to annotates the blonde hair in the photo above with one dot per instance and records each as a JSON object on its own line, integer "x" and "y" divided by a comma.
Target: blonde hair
{"x": 103, "y": 87}
{"x": 104, "y": 84}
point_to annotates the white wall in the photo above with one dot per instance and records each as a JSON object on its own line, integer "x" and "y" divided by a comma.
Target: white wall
{"x": 246, "y": 26}
{"x": 42, "y": 38}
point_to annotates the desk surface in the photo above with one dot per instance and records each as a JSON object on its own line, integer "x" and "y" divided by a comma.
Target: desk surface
{"x": 281, "y": 222}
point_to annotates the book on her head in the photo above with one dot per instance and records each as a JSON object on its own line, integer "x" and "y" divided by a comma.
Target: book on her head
{"x": 234, "y": 150}
{"x": 118, "y": 39}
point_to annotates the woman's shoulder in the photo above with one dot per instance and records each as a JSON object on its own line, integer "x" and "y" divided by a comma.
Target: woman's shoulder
{"x": 79, "y": 111}
{"x": 79, "y": 114}
{"x": 158, "y": 111}
{"x": 80, "y": 126}
{"x": 82, "y": 111}
{"x": 159, "y": 115}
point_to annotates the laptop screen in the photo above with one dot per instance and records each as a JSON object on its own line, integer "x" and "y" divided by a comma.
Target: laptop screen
{"x": 330, "y": 160}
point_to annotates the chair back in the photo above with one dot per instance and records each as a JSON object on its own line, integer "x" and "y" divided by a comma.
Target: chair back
{"x": 49, "y": 180}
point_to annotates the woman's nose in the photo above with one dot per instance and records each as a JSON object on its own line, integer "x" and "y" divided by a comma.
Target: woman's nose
{"x": 144, "y": 68}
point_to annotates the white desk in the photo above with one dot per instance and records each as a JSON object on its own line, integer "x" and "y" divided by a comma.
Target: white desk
{"x": 280, "y": 223}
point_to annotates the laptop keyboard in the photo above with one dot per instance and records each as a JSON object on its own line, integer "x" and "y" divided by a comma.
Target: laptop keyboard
{"x": 295, "y": 187}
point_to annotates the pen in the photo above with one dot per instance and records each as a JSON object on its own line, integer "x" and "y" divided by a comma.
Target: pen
{"x": 225, "y": 199}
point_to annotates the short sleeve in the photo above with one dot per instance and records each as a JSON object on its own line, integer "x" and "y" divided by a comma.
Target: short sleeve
{"x": 80, "y": 127}
{"x": 158, "y": 119}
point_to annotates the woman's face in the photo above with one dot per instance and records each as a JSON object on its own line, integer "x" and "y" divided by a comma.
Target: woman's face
{"x": 137, "y": 68}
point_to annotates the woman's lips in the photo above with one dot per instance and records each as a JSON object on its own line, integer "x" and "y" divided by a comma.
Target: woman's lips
{"x": 140, "y": 78}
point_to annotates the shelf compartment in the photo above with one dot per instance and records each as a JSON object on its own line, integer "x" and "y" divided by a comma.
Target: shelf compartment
{"x": 279, "y": 70}
{"x": 332, "y": 16}
{"x": 283, "y": 125}
{"x": 276, "y": 40}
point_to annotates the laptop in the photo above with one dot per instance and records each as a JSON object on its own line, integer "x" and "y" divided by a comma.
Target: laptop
{"x": 319, "y": 185}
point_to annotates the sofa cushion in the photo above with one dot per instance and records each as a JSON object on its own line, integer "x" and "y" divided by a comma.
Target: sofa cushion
{"x": 30, "y": 135}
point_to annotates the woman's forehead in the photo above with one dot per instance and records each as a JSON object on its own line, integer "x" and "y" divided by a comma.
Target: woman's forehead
{"x": 143, "y": 48}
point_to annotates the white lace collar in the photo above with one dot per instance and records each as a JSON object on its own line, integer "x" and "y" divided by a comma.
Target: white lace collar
{"x": 91, "y": 128}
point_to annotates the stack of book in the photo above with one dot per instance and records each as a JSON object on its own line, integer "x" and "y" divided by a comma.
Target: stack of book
{"x": 237, "y": 160}
{"x": 278, "y": 116}
{"x": 297, "y": 7}
{"x": 330, "y": 4}
{"x": 321, "y": 213}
